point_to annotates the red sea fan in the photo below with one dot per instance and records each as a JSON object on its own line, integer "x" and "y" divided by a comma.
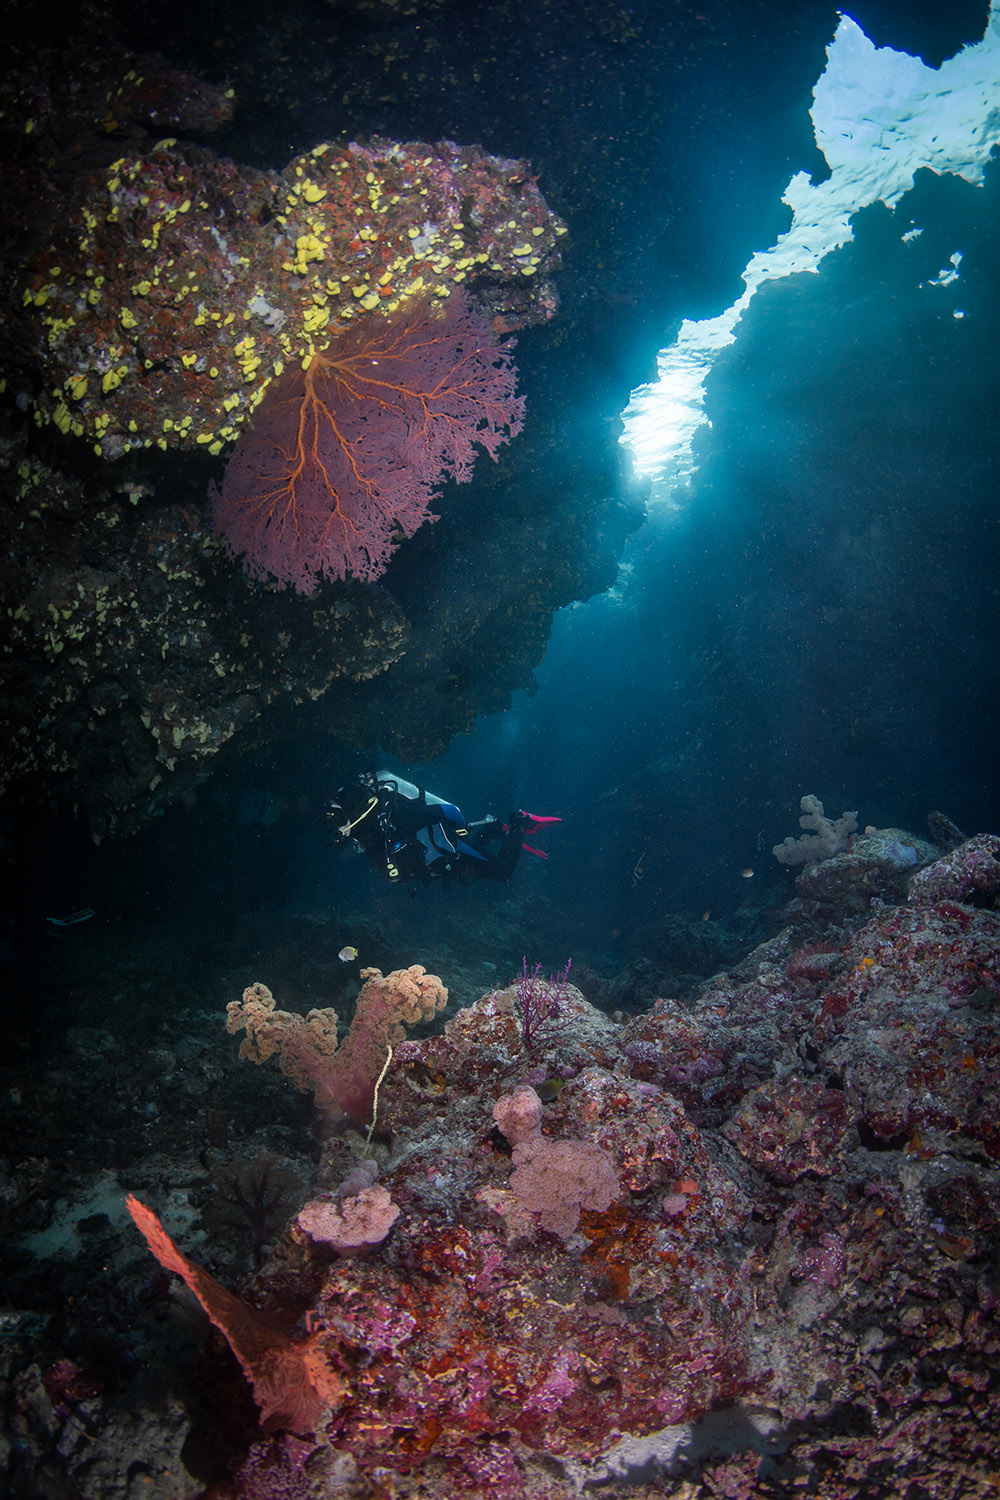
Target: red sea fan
{"x": 345, "y": 455}
{"x": 292, "y": 1382}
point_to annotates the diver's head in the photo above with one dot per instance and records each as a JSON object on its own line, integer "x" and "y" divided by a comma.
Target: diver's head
{"x": 352, "y": 805}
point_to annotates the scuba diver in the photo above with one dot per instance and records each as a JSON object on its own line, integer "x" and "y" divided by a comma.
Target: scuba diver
{"x": 410, "y": 835}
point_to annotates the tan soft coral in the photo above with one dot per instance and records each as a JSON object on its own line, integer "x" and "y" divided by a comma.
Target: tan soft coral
{"x": 343, "y": 1079}
{"x": 825, "y": 838}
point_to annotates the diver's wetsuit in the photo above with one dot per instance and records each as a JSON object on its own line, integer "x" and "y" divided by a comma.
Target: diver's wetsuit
{"x": 410, "y": 835}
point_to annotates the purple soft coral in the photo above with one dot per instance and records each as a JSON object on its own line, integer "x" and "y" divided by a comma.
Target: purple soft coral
{"x": 540, "y": 1003}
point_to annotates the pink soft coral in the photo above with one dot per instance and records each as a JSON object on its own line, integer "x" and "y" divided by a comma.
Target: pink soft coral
{"x": 553, "y": 1180}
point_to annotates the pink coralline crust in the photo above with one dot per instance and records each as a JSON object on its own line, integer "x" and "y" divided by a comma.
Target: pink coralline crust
{"x": 558, "y": 1385}
{"x": 471, "y": 1363}
{"x": 709, "y": 1057}
{"x": 917, "y": 1056}
{"x": 791, "y": 1127}
{"x": 947, "y": 949}
{"x": 283, "y": 1470}
{"x": 358, "y": 1221}
{"x": 969, "y": 873}
{"x": 519, "y": 1115}
{"x": 822, "y": 1262}
{"x": 346, "y": 455}
{"x": 468, "y": 1331}
{"x": 890, "y": 1018}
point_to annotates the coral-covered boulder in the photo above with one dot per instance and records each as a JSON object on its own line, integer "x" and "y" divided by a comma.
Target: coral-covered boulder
{"x": 969, "y": 873}
{"x": 483, "y": 1317}
{"x": 708, "y": 1055}
{"x": 877, "y": 864}
{"x": 914, "y": 1032}
{"x": 179, "y": 285}
{"x": 784, "y": 1198}
{"x": 791, "y": 1127}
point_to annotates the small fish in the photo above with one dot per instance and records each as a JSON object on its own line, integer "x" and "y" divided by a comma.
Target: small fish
{"x": 746, "y": 874}
{"x": 549, "y": 1090}
{"x": 347, "y": 955}
{"x": 640, "y": 869}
